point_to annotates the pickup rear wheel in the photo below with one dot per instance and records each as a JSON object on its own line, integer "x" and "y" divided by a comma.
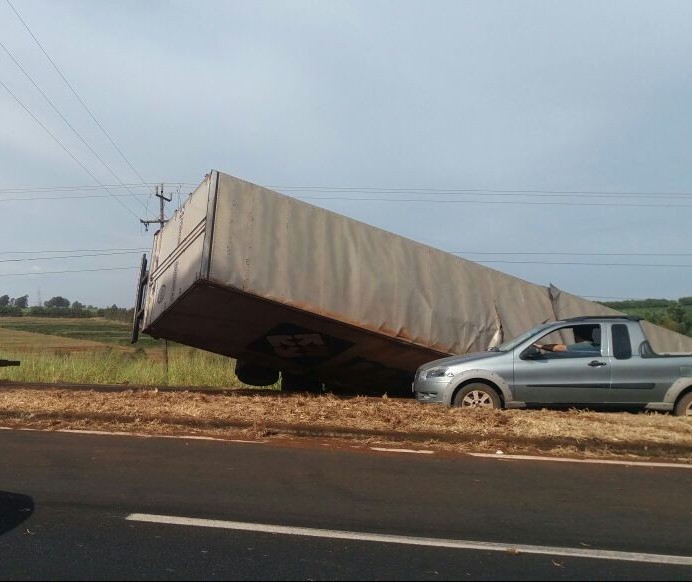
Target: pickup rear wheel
{"x": 683, "y": 407}
{"x": 477, "y": 395}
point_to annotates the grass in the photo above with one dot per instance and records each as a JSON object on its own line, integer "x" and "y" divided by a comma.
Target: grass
{"x": 355, "y": 421}
{"x": 98, "y": 351}
{"x": 95, "y": 351}
{"x": 89, "y": 329}
{"x": 186, "y": 367}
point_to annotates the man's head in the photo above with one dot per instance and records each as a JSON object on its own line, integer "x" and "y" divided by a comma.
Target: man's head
{"x": 583, "y": 333}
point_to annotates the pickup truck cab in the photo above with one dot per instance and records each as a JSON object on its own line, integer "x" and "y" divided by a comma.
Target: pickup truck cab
{"x": 612, "y": 366}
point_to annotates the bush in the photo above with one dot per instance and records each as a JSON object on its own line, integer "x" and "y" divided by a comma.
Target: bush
{"x": 638, "y": 303}
{"x": 11, "y": 311}
{"x": 116, "y": 313}
{"x": 58, "y": 312}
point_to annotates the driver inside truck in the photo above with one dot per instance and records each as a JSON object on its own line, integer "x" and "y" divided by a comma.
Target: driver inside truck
{"x": 587, "y": 340}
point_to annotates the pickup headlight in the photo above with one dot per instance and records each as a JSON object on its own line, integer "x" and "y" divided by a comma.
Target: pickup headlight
{"x": 440, "y": 372}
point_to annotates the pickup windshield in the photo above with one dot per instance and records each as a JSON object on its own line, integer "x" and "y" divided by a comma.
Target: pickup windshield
{"x": 513, "y": 343}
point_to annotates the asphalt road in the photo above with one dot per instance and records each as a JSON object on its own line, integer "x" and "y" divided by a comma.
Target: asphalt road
{"x": 107, "y": 507}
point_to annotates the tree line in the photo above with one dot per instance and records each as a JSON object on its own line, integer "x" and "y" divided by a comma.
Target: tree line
{"x": 59, "y": 306}
{"x": 672, "y": 314}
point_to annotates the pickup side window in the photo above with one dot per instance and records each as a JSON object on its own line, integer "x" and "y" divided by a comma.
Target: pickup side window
{"x": 622, "y": 346}
{"x": 574, "y": 341}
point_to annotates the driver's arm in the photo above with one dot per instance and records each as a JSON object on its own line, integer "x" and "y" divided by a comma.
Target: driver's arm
{"x": 552, "y": 347}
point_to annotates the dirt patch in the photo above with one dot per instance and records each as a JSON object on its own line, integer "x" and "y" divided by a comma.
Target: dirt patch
{"x": 372, "y": 421}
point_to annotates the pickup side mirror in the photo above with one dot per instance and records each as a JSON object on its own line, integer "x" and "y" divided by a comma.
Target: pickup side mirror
{"x": 531, "y": 353}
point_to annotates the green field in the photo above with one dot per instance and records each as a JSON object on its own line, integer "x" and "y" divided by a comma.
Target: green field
{"x": 98, "y": 351}
{"x": 93, "y": 329}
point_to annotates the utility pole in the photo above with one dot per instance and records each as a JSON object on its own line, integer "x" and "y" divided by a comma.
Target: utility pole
{"x": 162, "y": 217}
{"x": 161, "y": 221}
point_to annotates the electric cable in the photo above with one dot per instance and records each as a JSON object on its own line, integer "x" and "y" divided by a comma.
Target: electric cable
{"x": 65, "y": 148}
{"x": 98, "y": 157}
{"x": 75, "y": 93}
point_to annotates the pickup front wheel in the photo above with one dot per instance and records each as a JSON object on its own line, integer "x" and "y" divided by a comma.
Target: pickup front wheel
{"x": 683, "y": 407}
{"x": 477, "y": 395}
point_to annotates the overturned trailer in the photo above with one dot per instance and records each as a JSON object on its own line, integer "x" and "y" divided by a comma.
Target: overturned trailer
{"x": 294, "y": 291}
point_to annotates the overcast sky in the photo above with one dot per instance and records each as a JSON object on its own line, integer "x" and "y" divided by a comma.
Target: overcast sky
{"x": 577, "y": 112}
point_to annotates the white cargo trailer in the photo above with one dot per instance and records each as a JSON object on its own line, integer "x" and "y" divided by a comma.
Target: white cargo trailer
{"x": 286, "y": 287}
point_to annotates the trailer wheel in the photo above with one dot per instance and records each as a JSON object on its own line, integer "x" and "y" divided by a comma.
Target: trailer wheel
{"x": 477, "y": 395}
{"x": 683, "y": 407}
{"x": 253, "y": 375}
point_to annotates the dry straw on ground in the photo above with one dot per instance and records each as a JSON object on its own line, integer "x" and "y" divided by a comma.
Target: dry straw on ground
{"x": 360, "y": 420}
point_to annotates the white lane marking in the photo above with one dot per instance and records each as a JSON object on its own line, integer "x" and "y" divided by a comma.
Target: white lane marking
{"x": 134, "y": 434}
{"x": 592, "y": 461}
{"x": 413, "y": 541}
{"x": 401, "y": 451}
{"x": 488, "y": 455}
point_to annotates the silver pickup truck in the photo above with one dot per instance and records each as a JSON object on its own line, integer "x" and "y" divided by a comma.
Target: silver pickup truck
{"x": 601, "y": 361}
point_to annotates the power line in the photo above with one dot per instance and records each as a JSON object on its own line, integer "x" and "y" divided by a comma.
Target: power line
{"x": 522, "y": 202}
{"x": 73, "y": 188}
{"x": 544, "y": 263}
{"x": 397, "y": 200}
{"x": 70, "y": 271}
{"x": 441, "y": 191}
{"x": 57, "y": 198}
{"x": 601, "y": 254}
{"x": 75, "y": 93}
{"x": 70, "y": 256}
{"x": 368, "y": 189}
{"x": 587, "y": 264}
{"x": 70, "y": 251}
{"x": 64, "y": 148}
{"x": 98, "y": 157}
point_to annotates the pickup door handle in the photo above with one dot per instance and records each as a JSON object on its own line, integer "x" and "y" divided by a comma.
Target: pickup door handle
{"x": 596, "y": 363}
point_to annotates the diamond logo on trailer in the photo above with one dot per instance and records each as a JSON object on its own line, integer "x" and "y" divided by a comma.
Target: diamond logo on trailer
{"x": 299, "y": 344}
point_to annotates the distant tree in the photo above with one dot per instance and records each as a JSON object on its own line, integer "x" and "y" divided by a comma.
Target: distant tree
{"x": 676, "y": 319}
{"x": 21, "y": 302}
{"x": 57, "y": 302}
{"x": 116, "y": 313}
{"x": 4, "y": 300}
{"x": 638, "y": 304}
{"x": 685, "y": 300}
{"x": 77, "y": 305}
{"x": 43, "y": 311}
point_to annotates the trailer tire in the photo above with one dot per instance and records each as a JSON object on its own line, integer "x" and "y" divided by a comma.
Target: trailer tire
{"x": 253, "y": 375}
{"x": 477, "y": 395}
{"x": 683, "y": 407}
